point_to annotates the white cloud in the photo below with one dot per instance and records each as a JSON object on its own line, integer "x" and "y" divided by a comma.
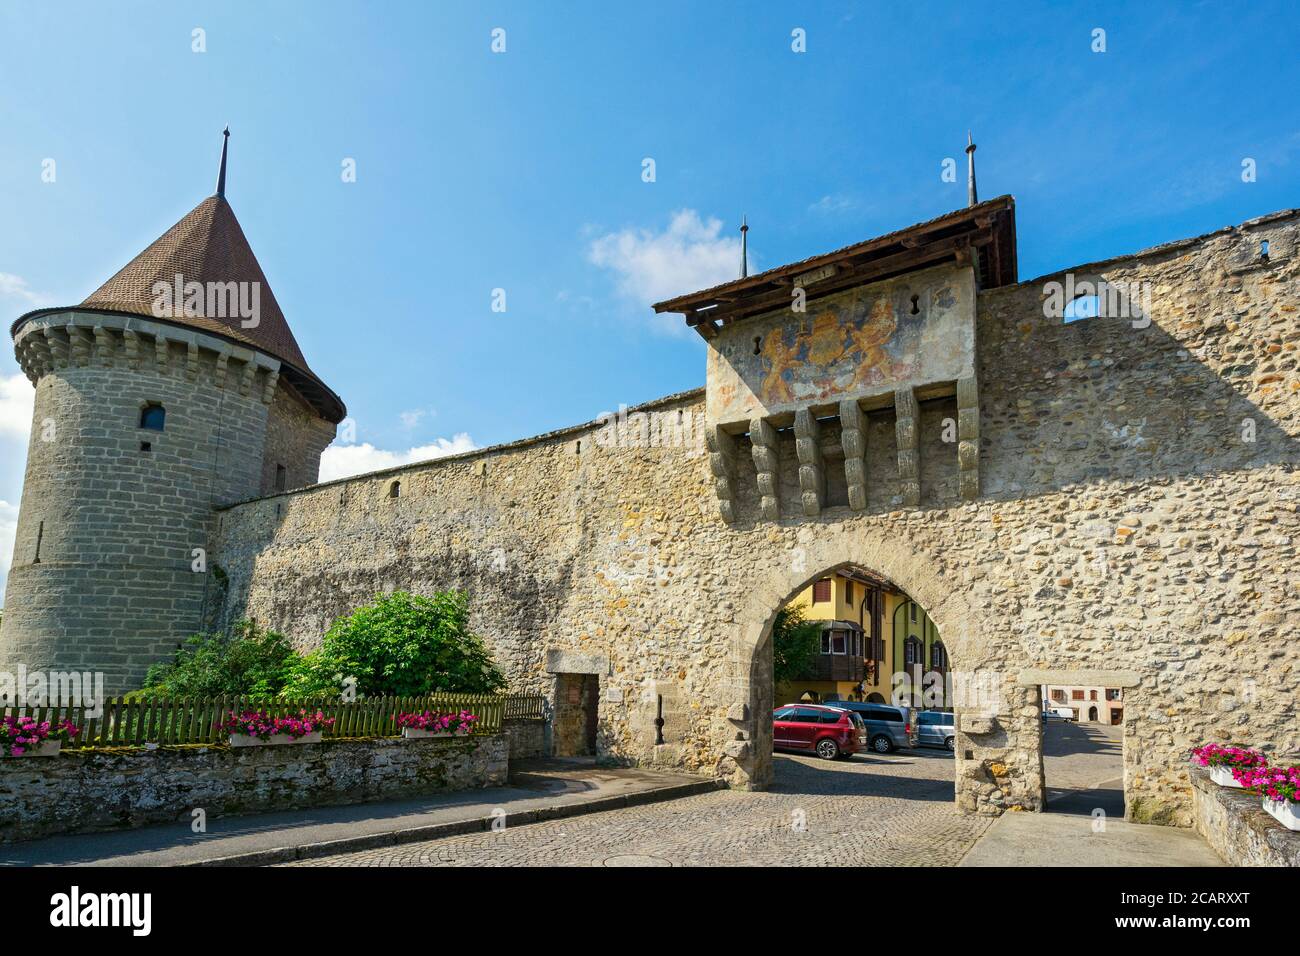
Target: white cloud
{"x": 16, "y": 287}
{"x": 412, "y": 417}
{"x": 16, "y": 400}
{"x": 343, "y": 461}
{"x": 690, "y": 255}
{"x": 8, "y": 528}
{"x": 832, "y": 204}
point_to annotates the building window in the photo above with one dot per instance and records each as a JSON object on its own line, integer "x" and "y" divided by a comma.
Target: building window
{"x": 395, "y": 489}
{"x": 848, "y": 593}
{"x": 826, "y": 642}
{"x": 911, "y": 651}
{"x": 822, "y": 591}
{"x": 281, "y": 477}
{"x": 1058, "y": 695}
{"x": 911, "y": 610}
{"x": 1092, "y": 695}
{"x": 1076, "y": 695}
{"x": 839, "y": 642}
{"x": 153, "y": 416}
{"x": 938, "y": 657}
{"x": 1113, "y": 694}
{"x": 877, "y": 648}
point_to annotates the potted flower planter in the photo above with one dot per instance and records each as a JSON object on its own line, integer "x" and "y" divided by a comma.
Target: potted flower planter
{"x": 1285, "y": 812}
{"x": 275, "y": 740}
{"x": 415, "y": 733}
{"x": 1223, "y": 777}
{"x": 46, "y": 748}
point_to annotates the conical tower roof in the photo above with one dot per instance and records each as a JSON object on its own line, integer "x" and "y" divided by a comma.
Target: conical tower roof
{"x": 207, "y": 245}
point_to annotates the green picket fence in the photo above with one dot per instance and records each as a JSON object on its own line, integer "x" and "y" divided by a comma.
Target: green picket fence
{"x": 127, "y": 722}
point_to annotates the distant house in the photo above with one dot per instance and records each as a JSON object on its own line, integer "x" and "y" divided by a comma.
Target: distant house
{"x": 1090, "y": 705}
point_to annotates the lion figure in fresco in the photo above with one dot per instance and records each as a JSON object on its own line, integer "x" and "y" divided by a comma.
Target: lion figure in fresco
{"x": 775, "y": 388}
{"x": 869, "y": 340}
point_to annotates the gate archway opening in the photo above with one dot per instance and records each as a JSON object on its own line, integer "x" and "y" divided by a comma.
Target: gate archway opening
{"x": 996, "y": 757}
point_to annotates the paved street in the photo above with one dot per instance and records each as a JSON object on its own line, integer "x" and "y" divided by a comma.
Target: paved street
{"x": 895, "y": 810}
{"x": 1083, "y": 768}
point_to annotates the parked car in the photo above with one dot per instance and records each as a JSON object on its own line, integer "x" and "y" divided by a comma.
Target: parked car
{"x": 829, "y": 732}
{"x": 935, "y": 728}
{"x": 888, "y": 727}
{"x": 1058, "y": 713}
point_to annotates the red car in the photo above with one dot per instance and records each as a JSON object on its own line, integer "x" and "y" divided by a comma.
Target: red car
{"x": 828, "y": 732}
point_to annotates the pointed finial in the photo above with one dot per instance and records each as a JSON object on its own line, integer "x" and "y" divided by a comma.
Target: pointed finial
{"x": 744, "y": 247}
{"x": 972, "y": 197}
{"x": 221, "y": 173}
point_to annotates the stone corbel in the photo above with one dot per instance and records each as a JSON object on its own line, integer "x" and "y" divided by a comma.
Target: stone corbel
{"x": 162, "y": 353}
{"x": 104, "y": 346}
{"x": 853, "y": 438}
{"x": 192, "y": 360}
{"x": 78, "y": 345}
{"x": 57, "y": 340}
{"x": 722, "y": 462}
{"x": 909, "y": 456}
{"x": 131, "y": 343}
{"x": 810, "y": 461}
{"x": 268, "y": 389}
{"x": 246, "y": 379}
{"x": 762, "y": 436}
{"x": 968, "y": 438}
{"x": 222, "y": 359}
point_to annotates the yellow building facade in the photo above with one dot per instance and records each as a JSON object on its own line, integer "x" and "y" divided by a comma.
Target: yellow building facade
{"x": 871, "y": 632}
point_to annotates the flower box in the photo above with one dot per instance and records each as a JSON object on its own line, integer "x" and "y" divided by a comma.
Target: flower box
{"x": 1285, "y": 812}
{"x": 275, "y": 740}
{"x": 1223, "y": 777}
{"x": 415, "y": 733}
{"x": 46, "y": 748}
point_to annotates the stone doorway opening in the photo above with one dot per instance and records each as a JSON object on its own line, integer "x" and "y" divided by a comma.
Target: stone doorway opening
{"x": 577, "y": 714}
{"x": 1083, "y": 746}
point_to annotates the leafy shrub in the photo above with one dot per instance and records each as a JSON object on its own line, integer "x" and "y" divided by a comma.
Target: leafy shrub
{"x": 248, "y": 661}
{"x": 795, "y": 644}
{"x": 401, "y": 645}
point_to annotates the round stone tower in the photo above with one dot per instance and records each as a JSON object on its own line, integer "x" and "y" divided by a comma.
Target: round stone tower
{"x": 175, "y": 387}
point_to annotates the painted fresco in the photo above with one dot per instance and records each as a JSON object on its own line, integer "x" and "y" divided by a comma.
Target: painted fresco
{"x": 857, "y": 343}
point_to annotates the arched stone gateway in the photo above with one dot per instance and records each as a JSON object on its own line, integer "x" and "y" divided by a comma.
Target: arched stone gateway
{"x": 998, "y": 750}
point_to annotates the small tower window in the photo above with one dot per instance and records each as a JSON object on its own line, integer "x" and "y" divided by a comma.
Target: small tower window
{"x": 153, "y": 416}
{"x": 395, "y": 490}
{"x": 281, "y": 477}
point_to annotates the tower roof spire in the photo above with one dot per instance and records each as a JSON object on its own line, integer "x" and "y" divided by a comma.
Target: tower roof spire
{"x": 972, "y": 197}
{"x": 744, "y": 247}
{"x": 221, "y": 173}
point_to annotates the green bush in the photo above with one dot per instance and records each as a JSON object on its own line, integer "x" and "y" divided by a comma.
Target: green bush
{"x": 401, "y": 645}
{"x": 247, "y": 661}
{"x": 795, "y": 645}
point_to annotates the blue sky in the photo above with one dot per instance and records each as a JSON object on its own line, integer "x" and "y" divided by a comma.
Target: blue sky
{"x": 522, "y": 170}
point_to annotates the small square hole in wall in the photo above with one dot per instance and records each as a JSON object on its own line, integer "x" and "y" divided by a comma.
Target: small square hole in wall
{"x": 146, "y": 447}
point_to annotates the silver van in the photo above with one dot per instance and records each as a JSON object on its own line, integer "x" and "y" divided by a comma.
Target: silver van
{"x": 888, "y": 727}
{"x": 935, "y": 728}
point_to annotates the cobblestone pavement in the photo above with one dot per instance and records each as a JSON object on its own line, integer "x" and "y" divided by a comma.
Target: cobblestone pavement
{"x": 894, "y": 810}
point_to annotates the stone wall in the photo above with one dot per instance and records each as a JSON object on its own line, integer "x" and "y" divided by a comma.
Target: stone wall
{"x": 79, "y": 792}
{"x": 1138, "y": 512}
{"x": 527, "y": 738}
{"x": 1237, "y": 828}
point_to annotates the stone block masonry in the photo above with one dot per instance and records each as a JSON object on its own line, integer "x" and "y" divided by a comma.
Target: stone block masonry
{"x": 85, "y": 791}
{"x": 1137, "y": 509}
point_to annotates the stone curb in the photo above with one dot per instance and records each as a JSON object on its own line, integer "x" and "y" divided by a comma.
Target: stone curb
{"x": 434, "y": 831}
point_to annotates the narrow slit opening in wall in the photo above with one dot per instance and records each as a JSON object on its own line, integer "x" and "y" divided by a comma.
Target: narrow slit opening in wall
{"x": 146, "y": 447}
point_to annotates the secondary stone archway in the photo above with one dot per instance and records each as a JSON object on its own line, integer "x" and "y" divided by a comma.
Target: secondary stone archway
{"x": 998, "y": 752}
